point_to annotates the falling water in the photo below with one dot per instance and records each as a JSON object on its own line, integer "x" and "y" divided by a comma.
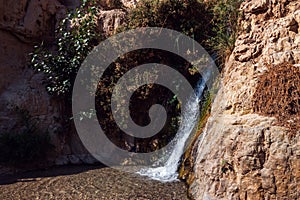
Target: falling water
{"x": 168, "y": 171}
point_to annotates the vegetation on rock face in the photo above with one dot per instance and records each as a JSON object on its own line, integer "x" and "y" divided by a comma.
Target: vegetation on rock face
{"x": 220, "y": 41}
{"x": 188, "y": 17}
{"x": 278, "y": 94}
{"x": 75, "y": 37}
{"x": 140, "y": 102}
{"x": 225, "y": 27}
{"x": 28, "y": 145}
{"x": 212, "y": 24}
{"x": 186, "y": 171}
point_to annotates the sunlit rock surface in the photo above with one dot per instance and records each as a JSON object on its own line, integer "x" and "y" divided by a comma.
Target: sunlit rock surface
{"x": 247, "y": 154}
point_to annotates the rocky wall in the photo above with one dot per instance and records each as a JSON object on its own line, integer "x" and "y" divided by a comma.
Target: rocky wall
{"x": 23, "y": 24}
{"x": 246, "y": 154}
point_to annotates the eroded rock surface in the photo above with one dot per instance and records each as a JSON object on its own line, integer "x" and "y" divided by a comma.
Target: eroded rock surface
{"x": 23, "y": 24}
{"x": 245, "y": 155}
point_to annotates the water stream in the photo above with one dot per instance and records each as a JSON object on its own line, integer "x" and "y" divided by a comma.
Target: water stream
{"x": 168, "y": 171}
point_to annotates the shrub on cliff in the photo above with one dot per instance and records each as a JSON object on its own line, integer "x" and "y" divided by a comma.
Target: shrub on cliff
{"x": 75, "y": 37}
{"x": 278, "y": 95}
{"x": 188, "y": 17}
{"x": 224, "y": 27}
{"x": 213, "y": 24}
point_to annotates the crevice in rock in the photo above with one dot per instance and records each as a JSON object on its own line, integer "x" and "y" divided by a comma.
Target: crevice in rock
{"x": 294, "y": 26}
{"x": 21, "y": 22}
{"x": 21, "y": 37}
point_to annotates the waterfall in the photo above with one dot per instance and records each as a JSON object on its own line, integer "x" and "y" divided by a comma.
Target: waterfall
{"x": 168, "y": 171}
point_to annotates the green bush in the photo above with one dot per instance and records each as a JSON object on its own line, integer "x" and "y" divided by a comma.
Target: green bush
{"x": 214, "y": 24}
{"x": 188, "y": 17}
{"x": 225, "y": 27}
{"x": 75, "y": 38}
{"x": 28, "y": 145}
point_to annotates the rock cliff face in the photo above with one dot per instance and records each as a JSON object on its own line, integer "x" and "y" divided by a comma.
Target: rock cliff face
{"x": 250, "y": 151}
{"x": 23, "y": 24}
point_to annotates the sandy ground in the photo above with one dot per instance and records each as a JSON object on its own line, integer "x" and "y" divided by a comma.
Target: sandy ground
{"x": 87, "y": 182}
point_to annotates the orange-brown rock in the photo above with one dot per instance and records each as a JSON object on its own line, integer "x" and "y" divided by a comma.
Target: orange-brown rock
{"x": 246, "y": 151}
{"x": 23, "y": 24}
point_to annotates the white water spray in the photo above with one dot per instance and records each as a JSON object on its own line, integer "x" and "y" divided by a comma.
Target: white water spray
{"x": 168, "y": 172}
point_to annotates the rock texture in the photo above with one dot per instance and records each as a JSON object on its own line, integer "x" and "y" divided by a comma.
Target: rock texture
{"x": 23, "y": 24}
{"x": 110, "y": 20}
{"x": 246, "y": 154}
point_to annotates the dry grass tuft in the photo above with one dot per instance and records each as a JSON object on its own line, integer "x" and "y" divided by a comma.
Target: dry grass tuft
{"x": 278, "y": 95}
